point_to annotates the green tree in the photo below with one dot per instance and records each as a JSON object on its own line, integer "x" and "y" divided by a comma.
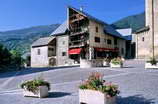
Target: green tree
{"x": 16, "y": 59}
{"x": 5, "y": 56}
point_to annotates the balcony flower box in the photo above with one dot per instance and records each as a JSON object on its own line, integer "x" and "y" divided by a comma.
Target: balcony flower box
{"x": 35, "y": 88}
{"x": 95, "y": 90}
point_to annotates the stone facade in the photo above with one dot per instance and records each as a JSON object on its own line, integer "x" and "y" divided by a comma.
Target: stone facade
{"x": 39, "y": 57}
{"x": 54, "y": 54}
{"x": 147, "y": 38}
{"x": 62, "y": 50}
{"x": 104, "y": 38}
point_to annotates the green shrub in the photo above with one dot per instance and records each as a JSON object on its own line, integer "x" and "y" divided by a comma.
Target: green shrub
{"x": 116, "y": 61}
{"x": 152, "y": 61}
{"x": 96, "y": 82}
{"x": 33, "y": 85}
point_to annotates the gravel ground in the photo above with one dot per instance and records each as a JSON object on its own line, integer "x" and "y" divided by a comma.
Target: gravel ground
{"x": 137, "y": 85}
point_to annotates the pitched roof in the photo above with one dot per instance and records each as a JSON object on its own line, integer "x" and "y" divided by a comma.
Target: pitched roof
{"x": 87, "y": 15}
{"x": 43, "y": 41}
{"x": 107, "y": 28}
{"x": 61, "y": 29}
{"x": 110, "y": 30}
{"x": 147, "y": 28}
{"x": 126, "y": 33}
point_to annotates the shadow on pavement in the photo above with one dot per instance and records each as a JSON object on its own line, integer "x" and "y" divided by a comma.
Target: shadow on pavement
{"x": 58, "y": 94}
{"x": 32, "y": 70}
{"x": 137, "y": 99}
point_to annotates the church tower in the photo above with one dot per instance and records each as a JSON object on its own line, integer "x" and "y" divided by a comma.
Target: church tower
{"x": 152, "y": 23}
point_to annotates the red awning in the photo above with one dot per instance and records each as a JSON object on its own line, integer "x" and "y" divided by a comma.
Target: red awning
{"x": 75, "y": 51}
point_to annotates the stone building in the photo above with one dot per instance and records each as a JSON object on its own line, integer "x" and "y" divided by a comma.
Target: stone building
{"x": 147, "y": 37}
{"x": 43, "y": 52}
{"x": 80, "y": 36}
{"x": 130, "y": 42}
{"x": 90, "y": 38}
{"x": 52, "y": 50}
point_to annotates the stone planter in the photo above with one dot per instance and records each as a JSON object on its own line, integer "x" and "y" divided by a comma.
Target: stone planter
{"x": 106, "y": 64}
{"x": 94, "y": 97}
{"x": 41, "y": 92}
{"x": 85, "y": 63}
{"x": 150, "y": 66}
{"x": 116, "y": 65}
{"x": 90, "y": 63}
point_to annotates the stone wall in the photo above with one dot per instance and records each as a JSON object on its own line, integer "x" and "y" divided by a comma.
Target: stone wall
{"x": 143, "y": 45}
{"x": 62, "y": 50}
{"x": 39, "y": 60}
{"x": 144, "y": 48}
{"x": 103, "y": 38}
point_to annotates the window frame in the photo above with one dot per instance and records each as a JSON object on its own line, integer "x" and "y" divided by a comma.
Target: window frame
{"x": 109, "y": 41}
{"x": 96, "y": 29}
{"x": 97, "y": 39}
{"x": 38, "y": 51}
{"x": 64, "y": 53}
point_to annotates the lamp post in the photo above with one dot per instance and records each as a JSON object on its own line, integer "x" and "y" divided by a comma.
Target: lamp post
{"x": 153, "y": 48}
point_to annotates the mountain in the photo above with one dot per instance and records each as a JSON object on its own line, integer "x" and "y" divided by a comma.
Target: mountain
{"x": 135, "y": 22}
{"x": 21, "y": 39}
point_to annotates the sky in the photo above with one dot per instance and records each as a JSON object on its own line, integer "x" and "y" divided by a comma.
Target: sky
{"x": 17, "y": 14}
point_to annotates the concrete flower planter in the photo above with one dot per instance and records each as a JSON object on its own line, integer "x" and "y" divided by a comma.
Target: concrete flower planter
{"x": 94, "y": 97}
{"x": 150, "y": 66}
{"x": 41, "y": 92}
{"x": 106, "y": 64}
{"x": 116, "y": 65}
{"x": 90, "y": 63}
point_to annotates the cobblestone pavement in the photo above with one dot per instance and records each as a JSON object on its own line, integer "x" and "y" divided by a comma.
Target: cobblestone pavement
{"x": 137, "y": 85}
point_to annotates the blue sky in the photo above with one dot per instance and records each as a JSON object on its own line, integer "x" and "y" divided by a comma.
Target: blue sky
{"x": 16, "y": 14}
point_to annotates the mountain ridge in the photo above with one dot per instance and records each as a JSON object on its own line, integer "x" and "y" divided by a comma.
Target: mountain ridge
{"x": 22, "y": 39}
{"x": 135, "y": 22}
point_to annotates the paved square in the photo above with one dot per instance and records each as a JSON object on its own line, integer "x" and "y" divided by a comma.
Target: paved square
{"x": 137, "y": 85}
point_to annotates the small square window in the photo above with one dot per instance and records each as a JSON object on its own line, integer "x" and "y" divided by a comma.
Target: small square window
{"x": 115, "y": 41}
{"x": 96, "y": 29}
{"x": 63, "y": 53}
{"x": 109, "y": 41}
{"x": 97, "y": 39}
{"x": 38, "y": 51}
{"x": 63, "y": 42}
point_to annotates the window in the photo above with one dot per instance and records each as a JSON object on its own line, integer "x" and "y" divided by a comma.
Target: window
{"x": 50, "y": 49}
{"x": 105, "y": 40}
{"x": 97, "y": 39}
{"x": 109, "y": 41}
{"x": 96, "y": 29}
{"x": 143, "y": 39}
{"x": 115, "y": 41}
{"x": 63, "y": 53}
{"x": 63, "y": 42}
{"x": 38, "y": 51}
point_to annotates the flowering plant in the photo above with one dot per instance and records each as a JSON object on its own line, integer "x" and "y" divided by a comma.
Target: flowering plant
{"x": 116, "y": 61}
{"x": 33, "y": 85}
{"x": 107, "y": 59}
{"x": 96, "y": 82}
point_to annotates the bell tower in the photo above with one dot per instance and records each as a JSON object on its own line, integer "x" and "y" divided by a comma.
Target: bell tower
{"x": 152, "y": 22}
